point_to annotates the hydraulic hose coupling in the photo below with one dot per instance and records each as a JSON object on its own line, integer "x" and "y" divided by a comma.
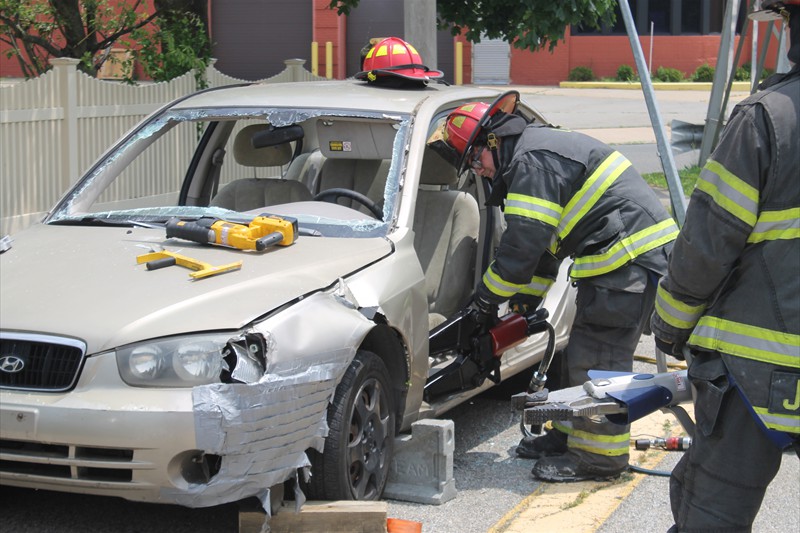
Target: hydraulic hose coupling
{"x": 670, "y": 443}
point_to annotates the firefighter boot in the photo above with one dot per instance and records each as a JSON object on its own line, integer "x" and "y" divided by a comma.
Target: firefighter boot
{"x": 554, "y": 442}
{"x": 570, "y": 467}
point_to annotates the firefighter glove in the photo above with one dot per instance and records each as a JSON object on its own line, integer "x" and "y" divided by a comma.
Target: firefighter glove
{"x": 670, "y": 348}
{"x": 486, "y": 312}
{"x": 523, "y": 303}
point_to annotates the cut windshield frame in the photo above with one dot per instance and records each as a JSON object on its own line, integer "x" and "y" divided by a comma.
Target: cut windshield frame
{"x": 81, "y": 204}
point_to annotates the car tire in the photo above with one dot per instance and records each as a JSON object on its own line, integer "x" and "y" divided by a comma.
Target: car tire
{"x": 354, "y": 464}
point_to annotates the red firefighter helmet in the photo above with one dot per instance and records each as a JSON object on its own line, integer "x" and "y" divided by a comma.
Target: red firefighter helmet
{"x": 393, "y": 57}
{"x": 772, "y": 9}
{"x": 467, "y": 122}
{"x": 462, "y": 123}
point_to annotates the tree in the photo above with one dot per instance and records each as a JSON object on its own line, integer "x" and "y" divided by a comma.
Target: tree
{"x": 527, "y": 24}
{"x": 169, "y": 38}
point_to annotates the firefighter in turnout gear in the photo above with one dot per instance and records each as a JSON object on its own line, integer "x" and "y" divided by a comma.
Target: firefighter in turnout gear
{"x": 732, "y": 296}
{"x": 567, "y": 195}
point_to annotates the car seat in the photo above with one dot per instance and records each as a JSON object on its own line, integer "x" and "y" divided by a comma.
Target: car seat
{"x": 252, "y": 193}
{"x": 446, "y": 227}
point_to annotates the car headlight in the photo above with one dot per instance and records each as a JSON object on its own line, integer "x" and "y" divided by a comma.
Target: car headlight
{"x": 174, "y": 362}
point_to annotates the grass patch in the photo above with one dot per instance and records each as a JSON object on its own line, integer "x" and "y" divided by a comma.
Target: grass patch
{"x": 578, "y": 500}
{"x": 625, "y": 477}
{"x": 688, "y": 177}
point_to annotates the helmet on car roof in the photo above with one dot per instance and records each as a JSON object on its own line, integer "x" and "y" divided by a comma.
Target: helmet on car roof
{"x": 393, "y": 58}
{"x": 772, "y": 9}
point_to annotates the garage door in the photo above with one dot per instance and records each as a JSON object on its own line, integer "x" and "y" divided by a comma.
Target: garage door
{"x": 252, "y": 38}
{"x": 491, "y": 62}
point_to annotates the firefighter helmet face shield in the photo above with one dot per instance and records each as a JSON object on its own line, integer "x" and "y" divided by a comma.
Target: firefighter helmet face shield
{"x": 470, "y": 122}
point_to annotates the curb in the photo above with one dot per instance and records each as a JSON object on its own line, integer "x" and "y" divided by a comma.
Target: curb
{"x": 583, "y": 507}
{"x": 743, "y": 86}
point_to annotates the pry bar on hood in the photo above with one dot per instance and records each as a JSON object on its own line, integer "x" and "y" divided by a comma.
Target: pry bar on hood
{"x": 163, "y": 259}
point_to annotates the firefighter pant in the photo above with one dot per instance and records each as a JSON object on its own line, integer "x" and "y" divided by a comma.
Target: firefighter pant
{"x": 611, "y": 313}
{"x": 719, "y": 483}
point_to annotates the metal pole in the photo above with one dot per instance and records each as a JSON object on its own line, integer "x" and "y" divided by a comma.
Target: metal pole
{"x": 721, "y": 77}
{"x": 729, "y": 85}
{"x": 676, "y": 196}
{"x": 782, "y": 65}
{"x": 419, "y": 28}
{"x": 755, "y": 71}
{"x": 762, "y": 57}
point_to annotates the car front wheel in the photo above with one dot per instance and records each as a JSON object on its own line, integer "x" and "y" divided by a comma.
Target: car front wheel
{"x": 355, "y": 462}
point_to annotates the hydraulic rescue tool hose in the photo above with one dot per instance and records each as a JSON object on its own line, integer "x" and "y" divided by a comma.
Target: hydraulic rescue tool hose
{"x": 539, "y": 378}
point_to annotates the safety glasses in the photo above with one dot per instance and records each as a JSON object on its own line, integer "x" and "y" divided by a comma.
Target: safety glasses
{"x": 475, "y": 159}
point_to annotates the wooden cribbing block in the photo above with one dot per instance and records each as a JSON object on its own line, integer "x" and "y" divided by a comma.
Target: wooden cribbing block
{"x": 318, "y": 516}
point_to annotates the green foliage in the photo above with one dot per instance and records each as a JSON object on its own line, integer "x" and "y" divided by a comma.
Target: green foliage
{"x": 171, "y": 49}
{"x": 669, "y": 75}
{"x": 168, "y": 38}
{"x": 529, "y": 25}
{"x": 20, "y": 16}
{"x": 743, "y": 73}
{"x": 581, "y": 74}
{"x": 704, "y": 72}
{"x": 626, "y": 73}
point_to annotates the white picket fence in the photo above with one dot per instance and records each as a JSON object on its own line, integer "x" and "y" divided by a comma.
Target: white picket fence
{"x": 54, "y": 127}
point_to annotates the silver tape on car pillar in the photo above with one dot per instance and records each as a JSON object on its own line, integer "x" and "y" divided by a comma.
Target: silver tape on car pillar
{"x": 262, "y": 430}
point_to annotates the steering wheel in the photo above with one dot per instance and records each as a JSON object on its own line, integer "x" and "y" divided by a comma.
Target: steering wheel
{"x": 331, "y": 195}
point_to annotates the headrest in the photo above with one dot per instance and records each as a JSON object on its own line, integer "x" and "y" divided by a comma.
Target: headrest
{"x": 270, "y": 156}
{"x": 436, "y": 170}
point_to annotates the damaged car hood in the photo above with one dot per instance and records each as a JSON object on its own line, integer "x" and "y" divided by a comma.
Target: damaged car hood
{"x": 124, "y": 302}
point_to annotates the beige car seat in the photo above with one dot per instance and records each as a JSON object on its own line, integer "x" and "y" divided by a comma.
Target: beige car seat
{"x": 446, "y": 227}
{"x": 252, "y": 193}
{"x": 358, "y": 156}
{"x": 367, "y": 176}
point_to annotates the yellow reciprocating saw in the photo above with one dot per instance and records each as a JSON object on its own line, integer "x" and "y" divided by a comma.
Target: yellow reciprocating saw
{"x": 261, "y": 233}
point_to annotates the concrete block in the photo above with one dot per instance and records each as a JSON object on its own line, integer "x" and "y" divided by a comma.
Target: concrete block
{"x": 422, "y": 466}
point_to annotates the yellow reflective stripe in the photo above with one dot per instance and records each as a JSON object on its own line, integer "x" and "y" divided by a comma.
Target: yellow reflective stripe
{"x": 609, "y": 445}
{"x": 498, "y": 285}
{"x": 532, "y": 207}
{"x": 676, "y": 313}
{"x": 626, "y": 250}
{"x": 750, "y": 342}
{"x": 580, "y": 204}
{"x": 537, "y": 287}
{"x": 776, "y": 225}
{"x": 563, "y": 427}
{"x": 729, "y": 192}
{"x": 778, "y": 422}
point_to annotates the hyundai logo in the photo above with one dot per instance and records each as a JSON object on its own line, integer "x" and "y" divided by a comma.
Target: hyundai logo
{"x": 11, "y": 364}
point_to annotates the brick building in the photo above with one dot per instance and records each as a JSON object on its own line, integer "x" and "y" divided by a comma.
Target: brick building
{"x": 252, "y": 39}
